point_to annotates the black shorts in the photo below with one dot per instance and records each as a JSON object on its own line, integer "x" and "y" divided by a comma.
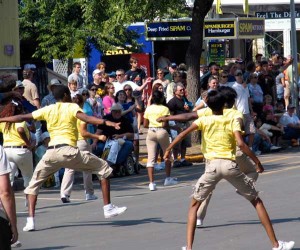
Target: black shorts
{"x": 5, "y": 234}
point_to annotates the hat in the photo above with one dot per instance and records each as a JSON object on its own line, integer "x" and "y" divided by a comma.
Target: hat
{"x": 55, "y": 81}
{"x": 96, "y": 71}
{"x": 112, "y": 74}
{"x": 291, "y": 106}
{"x": 173, "y": 65}
{"x": 116, "y": 107}
{"x": 45, "y": 135}
{"x": 19, "y": 84}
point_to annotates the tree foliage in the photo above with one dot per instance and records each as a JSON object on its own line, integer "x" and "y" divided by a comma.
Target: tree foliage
{"x": 61, "y": 26}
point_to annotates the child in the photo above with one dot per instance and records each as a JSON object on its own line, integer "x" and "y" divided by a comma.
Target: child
{"x": 220, "y": 164}
{"x": 73, "y": 88}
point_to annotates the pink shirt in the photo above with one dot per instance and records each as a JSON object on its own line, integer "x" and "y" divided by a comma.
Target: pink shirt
{"x": 107, "y": 103}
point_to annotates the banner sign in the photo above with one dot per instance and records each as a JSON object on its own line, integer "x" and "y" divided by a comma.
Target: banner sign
{"x": 277, "y": 14}
{"x": 220, "y": 29}
{"x": 250, "y": 28}
{"x": 216, "y": 52}
{"x": 173, "y": 30}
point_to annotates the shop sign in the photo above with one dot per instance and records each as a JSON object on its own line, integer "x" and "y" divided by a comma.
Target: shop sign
{"x": 220, "y": 29}
{"x": 216, "y": 52}
{"x": 173, "y": 30}
{"x": 250, "y": 28}
{"x": 277, "y": 14}
{"x": 117, "y": 52}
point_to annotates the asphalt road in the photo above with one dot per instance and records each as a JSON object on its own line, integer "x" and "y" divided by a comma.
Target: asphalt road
{"x": 157, "y": 220}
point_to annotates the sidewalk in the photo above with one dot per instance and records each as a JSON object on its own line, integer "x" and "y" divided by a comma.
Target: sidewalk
{"x": 193, "y": 153}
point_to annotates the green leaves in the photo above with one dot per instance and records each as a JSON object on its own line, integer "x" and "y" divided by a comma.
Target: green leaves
{"x": 60, "y": 27}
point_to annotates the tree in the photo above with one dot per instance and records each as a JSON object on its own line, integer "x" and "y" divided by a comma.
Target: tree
{"x": 193, "y": 54}
{"x": 61, "y": 26}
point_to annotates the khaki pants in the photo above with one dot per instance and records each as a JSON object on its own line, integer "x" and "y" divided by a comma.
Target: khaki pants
{"x": 20, "y": 158}
{"x": 68, "y": 179}
{"x": 68, "y": 157}
{"x": 156, "y": 136}
{"x": 218, "y": 169}
{"x": 245, "y": 165}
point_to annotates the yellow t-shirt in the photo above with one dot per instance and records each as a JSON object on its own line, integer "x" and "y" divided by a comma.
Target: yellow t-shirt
{"x": 61, "y": 122}
{"x": 218, "y": 140}
{"x": 230, "y": 113}
{"x": 80, "y": 137}
{"x": 155, "y": 111}
{"x": 11, "y": 137}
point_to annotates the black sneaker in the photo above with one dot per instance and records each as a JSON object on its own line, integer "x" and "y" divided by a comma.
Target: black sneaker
{"x": 186, "y": 163}
{"x": 177, "y": 164}
{"x": 65, "y": 199}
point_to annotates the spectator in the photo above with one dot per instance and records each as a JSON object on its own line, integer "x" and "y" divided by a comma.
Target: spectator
{"x": 73, "y": 88}
{"x": 266, "y": 81}
{"x": 178, "y": 77}
{"x": 30, "y": 90}
{"x": 97, "y": 79}
{"x": 41, "y": 150}
{"x": 223, "y": 80}
{"x": 49, "y": 99}
{"x": 95, "y": 102}
{"x": 108, "y": 99}
{"x": 291, "y": 123}
{"x": 177, "y": 105}
{"x": 243, "y": 105}
{"x": 101, "y": 66}
{"x": 172, "y": 69}
{"x": 125, "y": 132}
{"x": 256, "y": 94}
{"x": 213, "y": 69}
{"x": 76, "y": 76}
{"x": 162, "y": 80}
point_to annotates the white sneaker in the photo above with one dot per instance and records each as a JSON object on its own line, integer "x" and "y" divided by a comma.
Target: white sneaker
{"x": 199, "y": 223}
{"x": 274, "y": 147}
{"x": 16, "y": 244}
{"x": 152, "y": 186}
{"x": 112, "y": 211}
{"x": 183, "y": 248}
{"x": 284, "y": 245}
{"x": 90, "y": 197}
{"x": 169, "y": 181}
{"x": 29, "y": 225}
{"x": 257, "y": 152}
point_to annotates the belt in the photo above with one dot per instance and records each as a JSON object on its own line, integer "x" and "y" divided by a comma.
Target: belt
{"x": 58, "y": 146}
{"x": 15, "y": 146}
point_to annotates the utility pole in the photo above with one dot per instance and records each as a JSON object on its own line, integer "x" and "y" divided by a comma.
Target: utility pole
{"x": 294, "y": 82}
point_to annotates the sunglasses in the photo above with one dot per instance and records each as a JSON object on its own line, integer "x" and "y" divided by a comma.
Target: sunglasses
{"x": 112, "y": 87}
{"x": 127, "y": 89}
{"x": 239, "y": 74}
{"x": 119, "y": 74}
{"x": 224, "y": 76}
{"x": 84, "y": 94}
{"x": 181, "y": 90}
{"x": 93, "y": 89}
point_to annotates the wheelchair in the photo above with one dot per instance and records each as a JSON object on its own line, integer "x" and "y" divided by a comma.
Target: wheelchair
{"x": 126, "y": 168}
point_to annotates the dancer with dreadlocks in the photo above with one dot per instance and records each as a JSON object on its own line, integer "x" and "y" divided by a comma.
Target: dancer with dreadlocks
{"x": 17, "y": 145}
